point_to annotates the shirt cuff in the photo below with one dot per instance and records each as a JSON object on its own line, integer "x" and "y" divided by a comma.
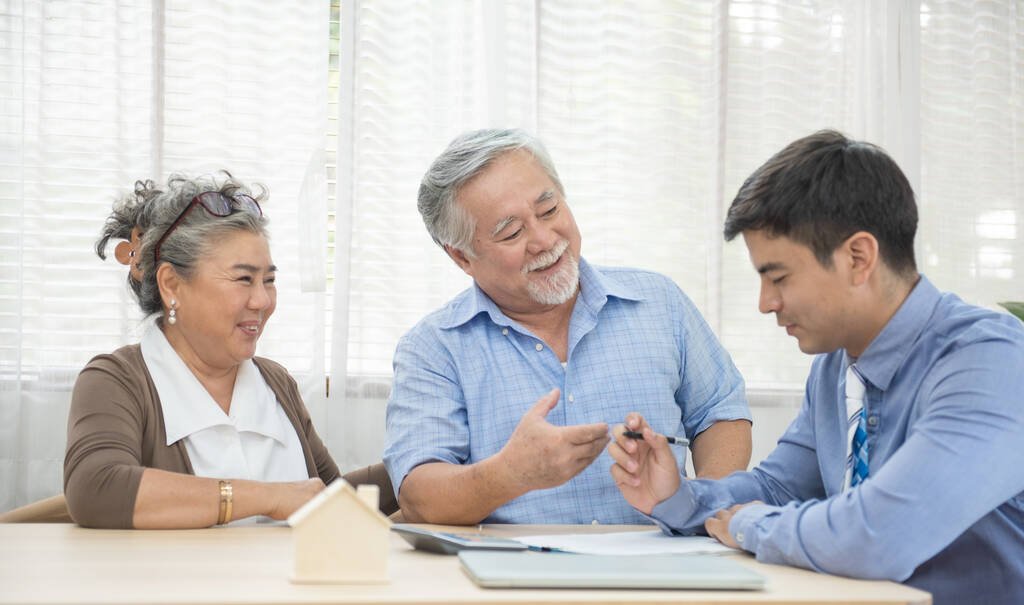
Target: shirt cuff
{"x": 744, "y": 525}
{"x": 672, "y": 514}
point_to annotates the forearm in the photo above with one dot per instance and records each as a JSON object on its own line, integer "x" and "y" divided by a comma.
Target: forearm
{"x": 169, "y": 500}
{"x": 697, "y": 499}
{"x": 721, "y": 449}
{"x": 456, "y": 494}
{"x": 789, "y": 473}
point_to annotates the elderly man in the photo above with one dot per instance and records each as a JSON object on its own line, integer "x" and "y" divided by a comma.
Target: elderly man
{"x": 903, "y": 463}
{"x": 471, "y": 434}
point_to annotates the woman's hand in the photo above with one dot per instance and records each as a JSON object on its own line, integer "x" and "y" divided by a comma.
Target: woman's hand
{"x": 289, "y": 497}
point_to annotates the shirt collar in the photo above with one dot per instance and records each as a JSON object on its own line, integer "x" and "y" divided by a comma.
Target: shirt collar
{"x": 254, "y": 406}
{"x": 188, "y": 408}
{"x": 595, "y": 289}
{"x": 889, "y": 350}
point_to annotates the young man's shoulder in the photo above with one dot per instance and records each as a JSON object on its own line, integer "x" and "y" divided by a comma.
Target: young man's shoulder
{"x": 965, "y": 323}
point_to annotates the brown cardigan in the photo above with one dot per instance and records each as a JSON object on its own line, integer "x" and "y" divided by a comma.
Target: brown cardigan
{"x": 116, "y": 430}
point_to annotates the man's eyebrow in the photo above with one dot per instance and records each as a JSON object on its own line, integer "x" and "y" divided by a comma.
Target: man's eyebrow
{"x": 773, "y": 266}
{"x": 543, "y": 197}
{"x": 501, "y": 225}
{"x": 547, "y": 195}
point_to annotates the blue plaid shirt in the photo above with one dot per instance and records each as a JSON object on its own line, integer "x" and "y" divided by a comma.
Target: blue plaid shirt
{"x": 466, "y": 374}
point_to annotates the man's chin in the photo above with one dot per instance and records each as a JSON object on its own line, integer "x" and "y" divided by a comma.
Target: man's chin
{"x": 559, "y": 288}
{"x": 812, "y": 348}
{"x": 556, "y": 289}
{"x": 551, "y": 297}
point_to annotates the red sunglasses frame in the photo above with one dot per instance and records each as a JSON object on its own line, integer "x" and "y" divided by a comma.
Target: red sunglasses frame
{"x": 224, "y": 205}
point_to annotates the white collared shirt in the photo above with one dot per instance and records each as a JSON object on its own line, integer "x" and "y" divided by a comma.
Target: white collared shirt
{"x": 255, "y": 441}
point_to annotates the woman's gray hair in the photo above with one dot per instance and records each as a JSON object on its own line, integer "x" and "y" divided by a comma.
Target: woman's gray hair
{"x": 467, "y": 156}
{"x": 153, "y": 211}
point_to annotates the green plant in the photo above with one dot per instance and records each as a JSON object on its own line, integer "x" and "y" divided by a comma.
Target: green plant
{"x": 1017, "y": 308}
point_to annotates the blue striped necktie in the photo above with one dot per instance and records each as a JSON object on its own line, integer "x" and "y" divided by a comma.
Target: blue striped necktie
{"x": 857, "y": 430}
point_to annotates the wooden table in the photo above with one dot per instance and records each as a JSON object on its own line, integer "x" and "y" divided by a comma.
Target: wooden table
{"x": 63, "y": 563}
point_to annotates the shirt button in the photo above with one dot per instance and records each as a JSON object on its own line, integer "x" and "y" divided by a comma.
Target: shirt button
{"x": 595, "y": 522}
{"x": 539, "y": 347}
{"x": 504, "y": 331}
{"x": 872, "y": 420}
{"x": 571, "y": 398}
{"x": 739, "y": 537}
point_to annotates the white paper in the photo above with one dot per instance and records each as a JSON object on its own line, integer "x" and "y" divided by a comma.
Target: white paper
{"x": 627, "y": 543}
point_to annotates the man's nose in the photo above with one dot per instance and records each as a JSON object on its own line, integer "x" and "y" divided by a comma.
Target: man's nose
{"x": 542, "y": 238}
{"x": 768, "y": 301}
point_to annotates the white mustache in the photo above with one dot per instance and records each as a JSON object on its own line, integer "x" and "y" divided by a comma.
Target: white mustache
{"x": 548, "y": 258}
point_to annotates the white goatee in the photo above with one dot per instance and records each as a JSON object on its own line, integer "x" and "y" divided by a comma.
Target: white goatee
{"x": 558, "y": 288}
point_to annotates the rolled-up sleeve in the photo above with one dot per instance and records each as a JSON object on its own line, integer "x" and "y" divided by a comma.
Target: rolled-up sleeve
{"x": 426, "y": 413}
{"x": 710, "y": 387}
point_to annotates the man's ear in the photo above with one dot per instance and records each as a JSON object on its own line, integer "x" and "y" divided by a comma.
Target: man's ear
{"x": 169, "y": 282}
{"x": 862, "y": 255}
{"x": 460, "y": 259}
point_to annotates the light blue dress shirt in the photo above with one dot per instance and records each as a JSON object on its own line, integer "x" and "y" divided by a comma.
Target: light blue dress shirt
{"x": 943, "y": 507}
{"x": 466, "y": 374}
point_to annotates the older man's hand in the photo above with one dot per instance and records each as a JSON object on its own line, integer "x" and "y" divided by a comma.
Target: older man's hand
{"x": 540, "y": 455}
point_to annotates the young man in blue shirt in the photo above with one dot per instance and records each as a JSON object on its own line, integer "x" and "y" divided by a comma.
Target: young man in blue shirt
{"x": 471, "y": 434}
{"x": 931, "y": 491}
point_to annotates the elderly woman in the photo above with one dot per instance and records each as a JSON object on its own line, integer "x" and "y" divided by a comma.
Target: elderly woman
{"x": 188, "y": 428}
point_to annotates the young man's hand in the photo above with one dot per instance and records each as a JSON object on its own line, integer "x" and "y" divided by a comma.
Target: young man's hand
{"x": 645, "y": 469}
{"x": 718, "y": 526}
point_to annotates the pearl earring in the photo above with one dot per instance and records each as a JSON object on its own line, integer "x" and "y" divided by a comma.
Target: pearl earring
{"x": 172, "y": 316}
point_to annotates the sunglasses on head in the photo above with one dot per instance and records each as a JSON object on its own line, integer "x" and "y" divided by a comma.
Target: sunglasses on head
{"x": 217, "y": 204}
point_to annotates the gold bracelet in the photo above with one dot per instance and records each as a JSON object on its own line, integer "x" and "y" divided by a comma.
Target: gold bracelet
{"x": 226, "y": 495}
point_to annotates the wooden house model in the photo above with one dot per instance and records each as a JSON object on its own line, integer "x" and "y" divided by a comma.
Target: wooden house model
{"x": 341, "y": 537}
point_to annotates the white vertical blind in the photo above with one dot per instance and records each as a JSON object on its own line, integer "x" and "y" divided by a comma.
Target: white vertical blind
{"x": 972, "y": 148}
{"x": 73, "y": 132}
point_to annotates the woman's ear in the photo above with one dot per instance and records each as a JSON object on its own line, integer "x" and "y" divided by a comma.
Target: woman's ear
{"x": 169, "y": 282}
{"x": 862, "y": 250}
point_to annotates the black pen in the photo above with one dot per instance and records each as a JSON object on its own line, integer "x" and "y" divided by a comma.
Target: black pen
{"x": 669, "y": 438}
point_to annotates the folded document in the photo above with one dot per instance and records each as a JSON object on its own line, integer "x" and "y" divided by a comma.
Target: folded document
{"x": 626, "y": 543}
